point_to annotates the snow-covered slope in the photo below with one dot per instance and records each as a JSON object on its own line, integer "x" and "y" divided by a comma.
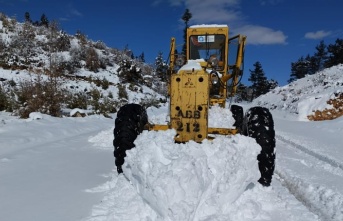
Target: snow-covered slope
{"x": 306, "y": 95}
{"x": 86, "y": 73}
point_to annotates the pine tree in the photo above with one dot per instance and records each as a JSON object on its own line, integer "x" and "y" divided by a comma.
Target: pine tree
{"x": 272, "y": 84}
{"x": 242, "y": 93}
{"x": 27, "y": 17}
{"x": 258, "y": 80}
{"x": 141, "y": 57}
{"x": 44, "y": 21}
{"x": 161, "y": 67}
{"x": 312, "y": 65}
{"x": 300, "y": 68}
{"x": 335, "y": 53}
{"x": 185, "y": 17}
{"x": 320, "y": 56}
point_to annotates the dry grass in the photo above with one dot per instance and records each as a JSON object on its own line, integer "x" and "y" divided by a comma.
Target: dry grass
{"x": 329, "y": 114}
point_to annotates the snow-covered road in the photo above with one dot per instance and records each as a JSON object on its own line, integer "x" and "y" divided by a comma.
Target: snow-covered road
{"x": 309, "y": 164}
{"x": 46, "y": 165}
{"x": 63, "y": 169}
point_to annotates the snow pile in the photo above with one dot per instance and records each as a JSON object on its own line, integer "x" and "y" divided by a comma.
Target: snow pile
{"x": 183, "y": 181}
{"x": 217, "y": 116}
{"x": 306, "y": 95}
{"x": 191, "y": 64}
{"x": 35, "y": 116}
{"x": 191, "y": 180}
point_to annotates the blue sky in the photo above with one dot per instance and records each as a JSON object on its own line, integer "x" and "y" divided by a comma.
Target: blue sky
{"x": 278, "y": 31}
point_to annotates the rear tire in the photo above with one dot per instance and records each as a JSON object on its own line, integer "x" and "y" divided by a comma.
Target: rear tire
{"x": 258, "y": 123}
{"x": 130, "y": 122}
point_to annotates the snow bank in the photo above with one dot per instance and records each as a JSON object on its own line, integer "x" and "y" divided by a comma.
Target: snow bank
{"x": 217, "y": 116}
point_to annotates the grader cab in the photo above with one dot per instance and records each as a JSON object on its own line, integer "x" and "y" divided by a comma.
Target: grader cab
{"x": 202, "y": 77}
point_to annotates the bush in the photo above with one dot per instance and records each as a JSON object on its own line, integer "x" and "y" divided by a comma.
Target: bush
{"x": 40, "y": 96}
{"x": 62, "y": 43}
{"x": 77, "y": 100}
{"x": 3, "y": 99}
{"x": 122, "y": 93}
{"x": 93, "y": 62}
{"x": 107, "y": 106}
{"x": 105, "y": 83}
{"x": 150, "y": 102}
{"x": 95, "y": 99}
{"x": 129, "y": 72}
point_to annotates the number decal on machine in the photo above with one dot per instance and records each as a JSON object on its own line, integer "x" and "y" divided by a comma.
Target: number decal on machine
{"x": 189, "y": 114}
{"x": 195, "y": 127}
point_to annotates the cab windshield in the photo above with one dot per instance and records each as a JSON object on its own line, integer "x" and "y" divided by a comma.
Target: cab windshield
{"x": 205, "y": 46}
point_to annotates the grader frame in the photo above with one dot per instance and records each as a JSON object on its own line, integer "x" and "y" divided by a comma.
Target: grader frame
{"x": 199, "y": 80}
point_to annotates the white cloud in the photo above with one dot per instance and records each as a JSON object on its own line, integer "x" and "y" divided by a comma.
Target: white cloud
{"x": 75, "y": 12}
{"x": 228, "y": 12}
{"x": 213, "y": 11}
{"x": 317, "y": 35}
{"x": 176, "y": 2}
{"x": 259, "y": 35}
{"x": 270, "y": 2}
{"x": 72, "y": 11}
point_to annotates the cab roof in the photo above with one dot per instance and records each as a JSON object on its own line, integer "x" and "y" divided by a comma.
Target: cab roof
{"x": 207, "y": 26}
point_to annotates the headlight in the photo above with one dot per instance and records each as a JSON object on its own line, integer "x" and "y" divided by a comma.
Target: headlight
{"x": 214, "y": 77}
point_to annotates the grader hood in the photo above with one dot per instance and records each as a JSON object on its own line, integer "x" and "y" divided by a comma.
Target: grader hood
{"x": 189, "y": 103}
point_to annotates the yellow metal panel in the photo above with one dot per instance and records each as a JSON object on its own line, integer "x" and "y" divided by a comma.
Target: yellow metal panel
{"x": 157, "y": 127}
{"x": 222, "y": 131}
{"x": 189, "y": 105}
{"x": 220, "y": 101}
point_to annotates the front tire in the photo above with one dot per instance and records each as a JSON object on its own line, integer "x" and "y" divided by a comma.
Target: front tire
{"x": 130, "y": 122}
{"x": 258, "y": 123}
{"x": 237, "y": 114}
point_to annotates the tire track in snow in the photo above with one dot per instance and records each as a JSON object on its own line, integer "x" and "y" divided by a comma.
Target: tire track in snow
{"x": 322, "y": 201}
{"x": 310, "y": 152}
{"x": 326, "y": 203}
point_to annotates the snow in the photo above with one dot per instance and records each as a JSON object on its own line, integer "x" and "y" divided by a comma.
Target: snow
{"x": 191, "y": 64}
{"x": 208, "y": 25}
{"x": 63, "y": 168}
{"x": 77, "y": 110}
{"x": 307, "y": 94}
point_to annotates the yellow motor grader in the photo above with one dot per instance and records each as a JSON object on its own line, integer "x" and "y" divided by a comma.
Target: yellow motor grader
{"x": 203, "y": 77}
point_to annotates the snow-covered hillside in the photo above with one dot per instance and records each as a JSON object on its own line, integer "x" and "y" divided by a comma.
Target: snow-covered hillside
{"x": 63, "y": 168}
{"x": 81, "y": 72}
{"x": 307, "y": 95}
